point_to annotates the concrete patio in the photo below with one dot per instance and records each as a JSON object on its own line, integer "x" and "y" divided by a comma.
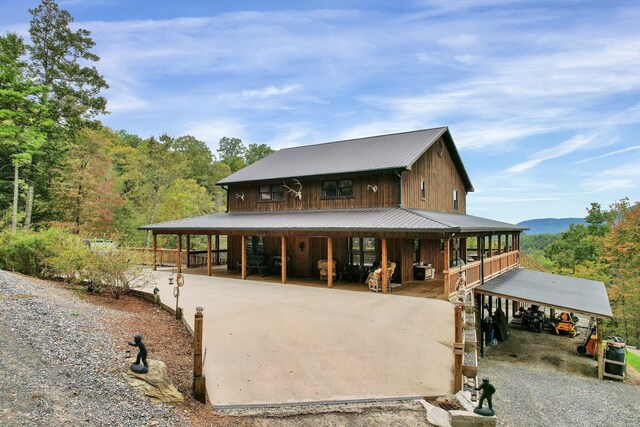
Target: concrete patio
{"x": 269, "y": 343}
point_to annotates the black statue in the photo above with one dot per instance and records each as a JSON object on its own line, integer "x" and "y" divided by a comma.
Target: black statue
{"x": 137, "y": 367}
{"x": 487, "y": 391}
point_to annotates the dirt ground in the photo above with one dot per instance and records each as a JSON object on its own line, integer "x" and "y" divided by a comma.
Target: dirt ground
{"x": 546, "y": 350}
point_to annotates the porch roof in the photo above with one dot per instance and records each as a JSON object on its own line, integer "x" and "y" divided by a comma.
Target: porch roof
{"x": 352, "y": 220}
{"x": 551, "y": 290}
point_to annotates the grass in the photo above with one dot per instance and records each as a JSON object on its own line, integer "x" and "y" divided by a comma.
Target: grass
{"x": 633, "y": 359}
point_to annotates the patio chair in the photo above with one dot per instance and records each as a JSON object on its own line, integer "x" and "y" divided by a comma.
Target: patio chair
{"x": 323, "y": 268}
{"x": 375, "y": 278}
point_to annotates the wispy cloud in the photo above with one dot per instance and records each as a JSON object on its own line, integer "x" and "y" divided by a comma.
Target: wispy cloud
{"x": 612, "y": 153}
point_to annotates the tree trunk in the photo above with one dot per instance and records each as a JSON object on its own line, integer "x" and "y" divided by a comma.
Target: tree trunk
{"x": 14, "y": 219}
{"x": 29, "y": 206}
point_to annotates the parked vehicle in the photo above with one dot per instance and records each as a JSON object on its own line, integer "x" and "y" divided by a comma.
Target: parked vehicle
{"x": 533, "y": 319}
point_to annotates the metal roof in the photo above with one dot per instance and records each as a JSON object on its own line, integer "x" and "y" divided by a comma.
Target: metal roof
{"x": 396, "y": 151}
{"x": 364, "y": 219}
{"x": 551, "y": 290}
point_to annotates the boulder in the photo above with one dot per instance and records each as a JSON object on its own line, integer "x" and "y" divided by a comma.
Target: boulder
{"x": 155, "y": 384}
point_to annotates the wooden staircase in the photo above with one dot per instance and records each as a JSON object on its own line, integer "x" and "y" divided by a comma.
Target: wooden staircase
{"x": 530, "y": 264}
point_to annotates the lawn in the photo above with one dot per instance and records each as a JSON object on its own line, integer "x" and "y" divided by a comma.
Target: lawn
{"x": 633, "y": 359}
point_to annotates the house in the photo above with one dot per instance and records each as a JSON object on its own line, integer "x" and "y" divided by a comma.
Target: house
{"x": 362, "y": 202}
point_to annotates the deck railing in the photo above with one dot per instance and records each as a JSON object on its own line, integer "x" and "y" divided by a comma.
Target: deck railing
{"x": 493, "y": 266}
{"x": 530, "y": 264}
{"x": 169, "y": 257}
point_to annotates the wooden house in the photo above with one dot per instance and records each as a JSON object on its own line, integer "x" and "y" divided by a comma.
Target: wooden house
{"x": 367, "y": 202}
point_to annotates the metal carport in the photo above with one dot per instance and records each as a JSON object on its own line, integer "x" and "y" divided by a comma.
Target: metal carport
{"x": 570, "y": 294}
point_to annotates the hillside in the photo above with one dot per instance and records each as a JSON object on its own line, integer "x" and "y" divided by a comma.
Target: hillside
{"x": 549, "y": 225}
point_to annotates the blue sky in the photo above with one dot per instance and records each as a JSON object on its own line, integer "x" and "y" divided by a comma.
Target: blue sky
{"x": 541, "y": 97}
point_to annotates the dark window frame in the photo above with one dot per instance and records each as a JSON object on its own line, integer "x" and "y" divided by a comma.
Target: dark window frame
{"x": 360, "y": 252}
{"x": 342, "y": 191}
{"x": 423, "y": 188}
{"x": 254, "y": 245}
{"x": 455, "y": 200}
{"x": 274, "y": 196}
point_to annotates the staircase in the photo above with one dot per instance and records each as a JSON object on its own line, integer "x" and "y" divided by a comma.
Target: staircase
{"x": 530, "y": 264}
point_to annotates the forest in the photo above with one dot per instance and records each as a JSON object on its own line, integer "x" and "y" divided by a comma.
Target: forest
{"x": 63, "y": 173}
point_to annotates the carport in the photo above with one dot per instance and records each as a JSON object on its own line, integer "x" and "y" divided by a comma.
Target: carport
{"x": 571, "y": 294}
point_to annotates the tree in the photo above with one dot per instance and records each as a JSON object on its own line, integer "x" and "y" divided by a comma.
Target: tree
{"x": 622, "y": 250}
{"x": 59, "y": 59}
{"x": 22, "y": 117}
{"x": 256, "y": 152}
{"x": 232, "y": 151}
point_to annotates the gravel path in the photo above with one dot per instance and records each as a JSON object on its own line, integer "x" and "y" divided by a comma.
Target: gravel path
{"x": 58, "y": 365}
{"x": 528, "y": 396}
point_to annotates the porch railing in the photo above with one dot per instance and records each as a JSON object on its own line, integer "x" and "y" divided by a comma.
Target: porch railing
{"x": 493, "y": 266}
{"x": 168, "y": 257}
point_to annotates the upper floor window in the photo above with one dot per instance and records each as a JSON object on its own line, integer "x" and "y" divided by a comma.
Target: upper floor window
{"x": 423, "y": 188}
{"x": 271, "y": 192}
{"x": 455, "y": 200}
{"x": 338, "y": 188}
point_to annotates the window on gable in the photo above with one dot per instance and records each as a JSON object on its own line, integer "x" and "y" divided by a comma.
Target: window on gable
{"x": 455, "y": 200}
{"x": 423, "y": 188}
{"x": 271, "y": 192}
{"x": 337, "y": 188}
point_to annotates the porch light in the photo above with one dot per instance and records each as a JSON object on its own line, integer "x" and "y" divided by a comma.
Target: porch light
{"x": 199, "y": 310}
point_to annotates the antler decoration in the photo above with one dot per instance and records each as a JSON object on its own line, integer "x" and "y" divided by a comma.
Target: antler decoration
{"x": 295, "y": 193}
{"x": 240, "y": 196}
{"x": 374, "y": 188}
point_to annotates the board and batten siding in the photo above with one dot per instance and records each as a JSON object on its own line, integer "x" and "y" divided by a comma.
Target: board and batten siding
{"x": 441, "y": 178}
{"x": 387, "y": 194}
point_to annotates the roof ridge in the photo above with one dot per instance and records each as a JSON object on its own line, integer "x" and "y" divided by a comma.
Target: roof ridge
{"x": 363, "y": 137}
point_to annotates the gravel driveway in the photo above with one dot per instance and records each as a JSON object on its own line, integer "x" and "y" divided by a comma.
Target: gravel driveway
{"x": 58, "y": 365}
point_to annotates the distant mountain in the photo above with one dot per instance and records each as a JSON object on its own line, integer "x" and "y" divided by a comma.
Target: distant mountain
{"x": 549, "y": 225}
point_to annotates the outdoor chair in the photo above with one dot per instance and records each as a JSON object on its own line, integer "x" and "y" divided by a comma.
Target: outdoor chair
{"x": 323, "y": 268}
{"x": 375, "y": 278}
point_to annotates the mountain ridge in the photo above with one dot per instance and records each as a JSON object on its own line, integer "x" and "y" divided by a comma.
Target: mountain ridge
{"x": 549, "y": 225}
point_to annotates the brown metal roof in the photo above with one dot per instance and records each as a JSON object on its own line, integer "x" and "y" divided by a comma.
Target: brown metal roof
{"x": 396, "y": 151}
{"x": 365, "y": 220}
{"x": 551, "y": 290}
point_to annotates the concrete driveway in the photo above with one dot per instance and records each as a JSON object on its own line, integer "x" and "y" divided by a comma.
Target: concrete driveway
{"x": 271, "y": 343}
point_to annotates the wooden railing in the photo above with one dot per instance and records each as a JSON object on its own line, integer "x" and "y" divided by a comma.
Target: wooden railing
{"x": 168, "y": 257}
{"x": 493, "y": 266}
{"x": 530, "y": 264}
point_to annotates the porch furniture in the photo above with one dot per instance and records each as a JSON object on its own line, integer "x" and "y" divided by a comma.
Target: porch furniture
{"x": 345, "y": 272}
{"x": 375, "y": 278}
{"x": 277, "y": 263}
{"x": 323, "y": 268}
{"x": 423, "y": 272}
{"x": 256, "y": 262}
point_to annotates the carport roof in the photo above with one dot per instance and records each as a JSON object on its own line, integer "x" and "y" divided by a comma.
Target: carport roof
{"x": 552, "y": 290}
{"x": 353, "y": 220}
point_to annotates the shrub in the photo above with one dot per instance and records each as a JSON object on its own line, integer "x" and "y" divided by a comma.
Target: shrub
{"x": 28, "y": 252}
{"x": 116, "y": 271}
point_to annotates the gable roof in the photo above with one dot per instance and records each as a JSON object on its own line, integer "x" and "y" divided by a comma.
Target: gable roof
{"x": 355, "y": 220}
{"x": 395, "y": 152}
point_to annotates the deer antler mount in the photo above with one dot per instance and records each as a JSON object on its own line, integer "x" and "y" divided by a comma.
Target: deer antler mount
{"x": 373, "y": 188}
{"x": 295, "y": 193}
{"x": 240, "y": 196}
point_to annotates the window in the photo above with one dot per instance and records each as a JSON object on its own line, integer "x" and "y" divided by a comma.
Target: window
{"x": 423, "y": 188}
{"x": 416, "y": 250}
{"x": 338, "y": 188}
{"x": 254, "y": 245}
{"x": 455, "y": 200}
{"x": 362, "y": 251}
{"x": 271, "y": 192}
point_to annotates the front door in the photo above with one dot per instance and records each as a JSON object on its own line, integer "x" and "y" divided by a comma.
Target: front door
{"x": 299, "y": 250}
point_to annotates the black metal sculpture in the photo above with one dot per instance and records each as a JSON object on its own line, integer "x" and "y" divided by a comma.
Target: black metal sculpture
{"x": 137, "y": 367}
{"x": 487, "y": 391}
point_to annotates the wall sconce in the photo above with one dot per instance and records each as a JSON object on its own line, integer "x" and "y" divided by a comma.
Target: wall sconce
{"x": 302, "y": 245}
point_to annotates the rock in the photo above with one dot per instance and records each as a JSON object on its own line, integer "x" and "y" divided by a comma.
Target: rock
{"x": 155, "y": 384}
{"x": 436, "y": 416}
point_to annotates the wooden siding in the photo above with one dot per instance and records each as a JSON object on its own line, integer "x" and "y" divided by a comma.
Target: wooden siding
{"x": 441, "y": 178}
{"x": 385, "y": 196}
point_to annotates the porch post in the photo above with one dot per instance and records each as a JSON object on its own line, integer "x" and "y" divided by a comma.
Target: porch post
{"x": 179, "y": 254}
{"x": 458, "y": 348}
{"x": 283, "y": 259}
{"x": 329, "y": 262}
{"x": 482, "y": 324}
{"x": 447, "y": 262}
{"x": 188, "y": 249}
{"x": 244, "y": 257}
{"x": 217, "y": 249}
{"x": 499, "y": 244}
{"x": 384, "y": 267}
{"x": 599, "y": 349}
{"x": 154, "y": 251}
{"x": 208, "y": 254}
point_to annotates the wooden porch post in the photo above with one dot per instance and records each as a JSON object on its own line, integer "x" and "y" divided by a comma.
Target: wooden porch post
{"x": 244, "y": 257}
{"x": 208, "y": 254}
{"x": 188, "y": 249}
{"x": 384, "y": 267}
{"x": 499, "y": 244}
{"x": 329, "y": 262}
{"x": 447, "y": 262}
{"x": 155, "y": 247}
{"x": 179, "y": 254}
{"x": 217, "y": 249}
{"x": 283, "y": 259}
{"x": 599, "y": 349}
